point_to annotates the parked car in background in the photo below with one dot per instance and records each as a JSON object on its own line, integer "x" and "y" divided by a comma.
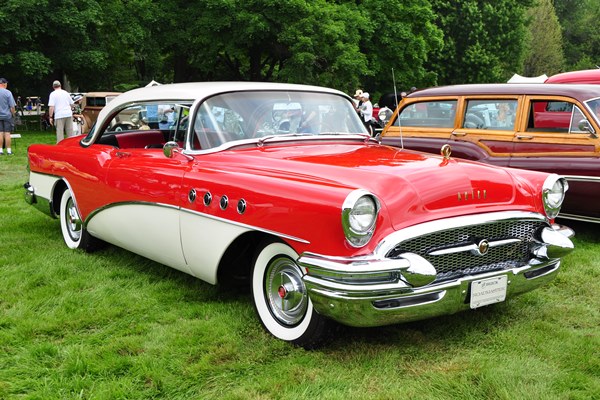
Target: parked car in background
{"x": 588, "y": 76}
{"x": 91, "y": 105}
{"x": 281, "y": 187}
{"x": 544, "y": 127}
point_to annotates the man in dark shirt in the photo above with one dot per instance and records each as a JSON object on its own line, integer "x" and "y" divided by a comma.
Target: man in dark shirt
{"x": 7, "y": 113}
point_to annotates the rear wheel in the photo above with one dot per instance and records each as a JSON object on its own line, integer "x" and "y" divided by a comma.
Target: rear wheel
{"x": 281, "y": 299}
{"x": 71, "y": 226}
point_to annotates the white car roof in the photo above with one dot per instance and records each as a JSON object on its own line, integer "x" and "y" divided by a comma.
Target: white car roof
{"x": 200, "y": 90}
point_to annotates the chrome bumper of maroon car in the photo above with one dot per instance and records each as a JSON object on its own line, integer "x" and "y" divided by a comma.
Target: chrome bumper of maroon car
{"x": 370, "y": 292}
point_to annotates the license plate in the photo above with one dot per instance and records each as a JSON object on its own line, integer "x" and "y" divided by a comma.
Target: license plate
{"x": 488, "y": 291}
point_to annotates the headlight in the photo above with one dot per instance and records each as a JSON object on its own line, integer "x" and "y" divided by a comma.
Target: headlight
{"x": 359, "y": 216}
{"x": 553, "y": 194}
{"x": 385, "y": 114}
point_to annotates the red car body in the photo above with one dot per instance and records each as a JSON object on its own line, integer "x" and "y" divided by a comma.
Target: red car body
{"x": 553, "y": 128}
{"x": 325, "y": 225}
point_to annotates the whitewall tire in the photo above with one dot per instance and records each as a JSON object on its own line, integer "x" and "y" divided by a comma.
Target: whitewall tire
{"x": 71, "y": 225}
{"x": 281, "y": 299}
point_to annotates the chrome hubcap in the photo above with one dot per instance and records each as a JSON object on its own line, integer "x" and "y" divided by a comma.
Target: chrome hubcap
{"x": 73, "y": 221}
{"x": 286, "y": 294}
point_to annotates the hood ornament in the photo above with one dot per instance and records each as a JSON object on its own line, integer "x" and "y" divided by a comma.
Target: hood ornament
{"x": 446, "y": 151}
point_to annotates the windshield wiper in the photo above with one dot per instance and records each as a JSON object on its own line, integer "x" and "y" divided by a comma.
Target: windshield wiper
{"x": 263, "y": 139}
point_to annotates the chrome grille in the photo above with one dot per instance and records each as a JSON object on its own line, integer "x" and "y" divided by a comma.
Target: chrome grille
{"x": 453, "y": 265}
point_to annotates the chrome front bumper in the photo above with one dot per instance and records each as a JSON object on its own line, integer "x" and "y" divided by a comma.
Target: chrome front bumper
{"x": 370, "y": 291}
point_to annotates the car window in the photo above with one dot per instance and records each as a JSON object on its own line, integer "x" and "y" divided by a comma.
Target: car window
{"x": 438, "y": 114}
{"x": 95, "y": 101}
{"x": 146, "y": 125}
{"x": 248, "y": 115}
{"x": 490, "y": 114}
{"x": 554, "y": 116}
{"x": 594, "y": 106}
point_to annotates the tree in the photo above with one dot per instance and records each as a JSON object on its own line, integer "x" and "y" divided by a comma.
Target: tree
{"x": 339, "y": 43}
{"x": 581, "y": 32}
{"x": 404, "y": 37}
{"x": 544, "y": 42}
{"x": 484, "y": 39}
{"x": 344, "y": 44}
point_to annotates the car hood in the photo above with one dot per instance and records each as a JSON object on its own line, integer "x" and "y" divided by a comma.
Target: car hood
{"x": 406, "y": 182}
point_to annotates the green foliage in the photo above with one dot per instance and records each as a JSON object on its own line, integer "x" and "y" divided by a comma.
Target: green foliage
{"x": 346, "y": 44}
{"x": 581, "y": 32}
{"x": 484, "y": 39}
{"x": 113, "y": 325}
{"x": 403, "y": 38}
{"x": 544, "y": 47}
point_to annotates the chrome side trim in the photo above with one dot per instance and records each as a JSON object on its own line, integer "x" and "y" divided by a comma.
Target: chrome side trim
{"x": 582, "y": 178}
{"x": 579, "y": 218}
{"x": 246, "y": 226}
{"x": 186, "y": 210}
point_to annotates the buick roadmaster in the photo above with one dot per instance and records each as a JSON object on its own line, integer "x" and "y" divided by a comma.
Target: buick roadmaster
{"x": 280, "y": 186}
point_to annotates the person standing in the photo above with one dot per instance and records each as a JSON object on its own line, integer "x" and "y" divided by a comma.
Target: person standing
{"x": 7, "y": 115}
{"x": 60, "y": 110}
{"x": 357, "y": 99}
{"x": 366, "y": 109}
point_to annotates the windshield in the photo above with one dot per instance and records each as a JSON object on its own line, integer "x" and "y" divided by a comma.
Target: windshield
{"x": 249, "y": 115}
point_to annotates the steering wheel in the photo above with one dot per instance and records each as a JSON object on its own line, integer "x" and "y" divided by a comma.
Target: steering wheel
{"x": 473, "y": 121}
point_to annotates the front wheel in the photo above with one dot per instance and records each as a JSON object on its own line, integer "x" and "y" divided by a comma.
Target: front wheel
{"x": 281, "y": 299}
{"x": 71, "y": 226}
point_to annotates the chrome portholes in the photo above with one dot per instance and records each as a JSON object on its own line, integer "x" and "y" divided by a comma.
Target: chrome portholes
{"x": 207, "y": 199}
{"x": 192, "y": 196}
{"x": 241, "y": 206}
{"x": 224, "y": 202}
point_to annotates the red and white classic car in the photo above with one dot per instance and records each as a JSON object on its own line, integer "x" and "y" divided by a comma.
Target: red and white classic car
{"x": 280, "y": 185}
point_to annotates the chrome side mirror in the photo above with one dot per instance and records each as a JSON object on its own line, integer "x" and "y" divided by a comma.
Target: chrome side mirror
{"x": 585, "y": 126}
{"x": 170, "y": 148}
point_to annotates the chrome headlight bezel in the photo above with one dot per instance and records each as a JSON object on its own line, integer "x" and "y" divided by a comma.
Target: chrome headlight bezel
{"x": 359, "y": 217}
{"x": 553, "y": 194}
{"x": 385, "y": 114}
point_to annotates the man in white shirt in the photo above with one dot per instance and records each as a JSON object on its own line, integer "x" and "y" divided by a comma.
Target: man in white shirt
{"x": 60, "y": 111}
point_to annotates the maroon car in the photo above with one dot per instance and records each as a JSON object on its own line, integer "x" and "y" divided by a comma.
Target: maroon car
{"x": 545, "y": 127}
{"x": 584, "y": 76}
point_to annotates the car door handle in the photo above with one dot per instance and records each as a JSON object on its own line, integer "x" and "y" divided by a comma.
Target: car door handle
{"x": 524, "y": 137}
{"x": 459, "y": 133}
{"x": 122, "y": 154}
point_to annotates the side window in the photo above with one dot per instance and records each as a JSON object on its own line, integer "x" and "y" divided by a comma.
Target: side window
{"x": 498, "y": 114}
{"x": 436, "y": 114}
{"x": 594, "y": 106}
{"x": 182, "y": 124}
{"x": 96, "y": 101}
{"x": 143, "y": 125}
{"x": 554, "y": 116}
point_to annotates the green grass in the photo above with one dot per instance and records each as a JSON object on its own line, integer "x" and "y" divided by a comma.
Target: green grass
{"x": 113, "y": 325}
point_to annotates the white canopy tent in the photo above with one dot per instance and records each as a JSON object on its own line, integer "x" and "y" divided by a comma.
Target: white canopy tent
{"x": 516, "y": 78}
